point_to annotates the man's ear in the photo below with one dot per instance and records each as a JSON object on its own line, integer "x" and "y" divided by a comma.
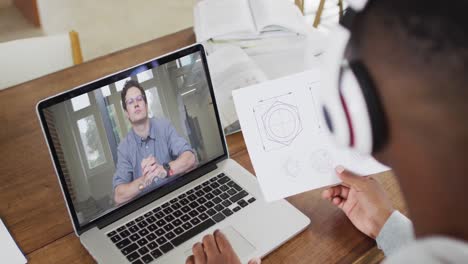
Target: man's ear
{"x": 126, "y": 114}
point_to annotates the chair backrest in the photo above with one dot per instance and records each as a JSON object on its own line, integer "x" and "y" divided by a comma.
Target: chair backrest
{"x": 26, "y": 59}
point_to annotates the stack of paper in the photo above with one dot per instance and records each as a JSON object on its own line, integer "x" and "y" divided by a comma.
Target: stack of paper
{"x": 247, "y": 19}
{"x": 9, "y": 251}
{"x": 231, "y": 69}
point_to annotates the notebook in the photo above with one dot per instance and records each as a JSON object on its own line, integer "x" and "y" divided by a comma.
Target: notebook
{"x": 247, "y": 19}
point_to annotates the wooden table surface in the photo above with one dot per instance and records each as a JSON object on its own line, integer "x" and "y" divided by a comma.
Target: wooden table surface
{"x": 33, "y": 209}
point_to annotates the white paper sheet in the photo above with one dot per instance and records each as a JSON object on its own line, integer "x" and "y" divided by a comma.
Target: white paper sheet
{"x": 9, "y": 251}
{"x": 289, "y": 147}
{"x": 231, "y": 69}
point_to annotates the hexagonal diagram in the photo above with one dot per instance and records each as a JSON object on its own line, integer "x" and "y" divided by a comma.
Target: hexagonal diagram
{"x": 278, "y": 121}
{"x": 282, "y": 123}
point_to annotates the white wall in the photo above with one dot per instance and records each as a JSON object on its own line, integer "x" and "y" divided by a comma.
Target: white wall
{"x": 5, "y": 3}
{"x": 106, "y": 26}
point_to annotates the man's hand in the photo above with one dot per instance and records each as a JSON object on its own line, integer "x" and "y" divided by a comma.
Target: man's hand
{"x": 363, "y": 201}
{"x": 215, "y": 249}
{"x": 151, "y": 169}
{"x": 147, "y": 163}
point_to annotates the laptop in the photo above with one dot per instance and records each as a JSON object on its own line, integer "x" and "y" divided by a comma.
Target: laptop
{"x": 146, "y": 176}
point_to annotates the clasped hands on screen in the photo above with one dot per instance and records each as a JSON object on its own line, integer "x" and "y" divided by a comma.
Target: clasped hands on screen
{"x": 151, "y": 170}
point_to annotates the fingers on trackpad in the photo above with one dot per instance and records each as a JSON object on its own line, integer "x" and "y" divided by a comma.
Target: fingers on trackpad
{"x": 241, "y": 246}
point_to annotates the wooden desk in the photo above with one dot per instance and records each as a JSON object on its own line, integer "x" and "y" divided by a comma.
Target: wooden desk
{"x": 33, "y": 208}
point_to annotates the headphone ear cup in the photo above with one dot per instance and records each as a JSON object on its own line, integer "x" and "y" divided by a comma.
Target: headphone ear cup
{"x": 373, "y": 112}
{"x": 355, "y": 108}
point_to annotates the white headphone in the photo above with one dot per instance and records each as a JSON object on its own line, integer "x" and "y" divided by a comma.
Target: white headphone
{"x": 350, "y": 103}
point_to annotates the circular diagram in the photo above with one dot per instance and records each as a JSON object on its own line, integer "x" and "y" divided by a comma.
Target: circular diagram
{"x": 293, "y": 167}
{"x": 321, "y": 161}
{"x": 282, "y": 123}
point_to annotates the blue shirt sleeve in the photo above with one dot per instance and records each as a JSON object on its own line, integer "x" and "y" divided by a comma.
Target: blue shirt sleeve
{"x": 176, "y": 143}
{"x": 124, "y": 170}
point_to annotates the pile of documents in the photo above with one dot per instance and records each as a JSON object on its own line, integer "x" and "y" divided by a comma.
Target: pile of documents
{"x": 251, "y": 41}
{"x": 223, "y": 20}
{"x": 9, "y": 251}
{"x": 231, "y": 68}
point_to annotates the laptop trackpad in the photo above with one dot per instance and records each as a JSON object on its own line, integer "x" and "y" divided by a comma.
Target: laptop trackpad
{"x": 241, "y": 246}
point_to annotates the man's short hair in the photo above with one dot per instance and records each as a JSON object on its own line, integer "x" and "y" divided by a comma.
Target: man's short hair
{"x": 434, "y": 40}
{"x": 129, "y": 84}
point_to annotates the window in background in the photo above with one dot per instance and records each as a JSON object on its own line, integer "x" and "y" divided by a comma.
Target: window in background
{"x": 120, "y": 84}
{"x": 184, "y": 61}
{"x": 145, "y": 76}
{"x": 115, "y": 123}
{"x": 91, "y": 141}
{"x": 80, "y": 102}
{"x": 154, "y": 103}
{"x": 105, "y": 91}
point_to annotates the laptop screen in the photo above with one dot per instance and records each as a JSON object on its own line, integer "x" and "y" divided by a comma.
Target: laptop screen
{"x": 133, "y": 133}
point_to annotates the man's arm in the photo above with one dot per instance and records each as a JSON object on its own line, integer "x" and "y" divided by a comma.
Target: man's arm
{"x": 180, "y": 148}
{"x": 185, "y": 162}
{"x": 151, "y": 169}
{"x": 125, "y": 190}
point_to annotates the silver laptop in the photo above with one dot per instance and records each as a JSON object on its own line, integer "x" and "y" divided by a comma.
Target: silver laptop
{"x": 144, "y": 168}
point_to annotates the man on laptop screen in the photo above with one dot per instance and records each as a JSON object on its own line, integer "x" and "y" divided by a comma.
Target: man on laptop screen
{"x": 151, "y": 151}
{"x": 144, "y": 167}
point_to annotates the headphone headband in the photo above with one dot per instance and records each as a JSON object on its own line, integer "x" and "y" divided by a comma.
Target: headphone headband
{"x": 351, "y": 106}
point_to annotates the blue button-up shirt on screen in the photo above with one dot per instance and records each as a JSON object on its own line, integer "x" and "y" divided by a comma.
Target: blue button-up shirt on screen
{"x": 163, "y": 142}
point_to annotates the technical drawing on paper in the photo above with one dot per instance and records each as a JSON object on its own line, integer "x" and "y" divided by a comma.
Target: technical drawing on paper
{"x": 321, "y": 161}
{"x": 292, "y": 167}
{"x": 313, "y": 86}
{"x": 278, "y": 121}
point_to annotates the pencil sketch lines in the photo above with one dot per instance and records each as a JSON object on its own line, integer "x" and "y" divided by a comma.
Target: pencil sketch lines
{"x": 292, "y": 167}
{"x": 321, "y": 161}
{"x": 278, "y": 121}
{"x": 314, "y": 86}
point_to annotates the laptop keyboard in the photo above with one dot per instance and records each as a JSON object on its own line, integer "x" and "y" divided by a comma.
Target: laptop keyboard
{"x": 149, "y": 236}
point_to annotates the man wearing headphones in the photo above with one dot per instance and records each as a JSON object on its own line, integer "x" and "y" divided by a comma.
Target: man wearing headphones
{"x": 402, "y": 97}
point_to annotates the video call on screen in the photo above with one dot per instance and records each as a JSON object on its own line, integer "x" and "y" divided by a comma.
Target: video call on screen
{"x": 87, "y": 130}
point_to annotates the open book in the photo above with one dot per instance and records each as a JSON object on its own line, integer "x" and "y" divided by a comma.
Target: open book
{"x": 231, "y": 69}
{"x": 246, "y": 19}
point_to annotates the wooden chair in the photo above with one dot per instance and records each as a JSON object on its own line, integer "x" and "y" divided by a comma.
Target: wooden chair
{"x": 320, "y": 8}
{"x": 26, "y": 59}
{"x": 318, "y": 14}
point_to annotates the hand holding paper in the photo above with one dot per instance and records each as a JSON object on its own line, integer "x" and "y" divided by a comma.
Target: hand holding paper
{"x": 290, "y": 149}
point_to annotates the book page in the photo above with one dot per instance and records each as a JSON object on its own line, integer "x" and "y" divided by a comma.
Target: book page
{"x": 289, "y": 146}
{"x": 274, "y": 15}
{"x": 231, "y": 68}
{"x": 223, "y": 17}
